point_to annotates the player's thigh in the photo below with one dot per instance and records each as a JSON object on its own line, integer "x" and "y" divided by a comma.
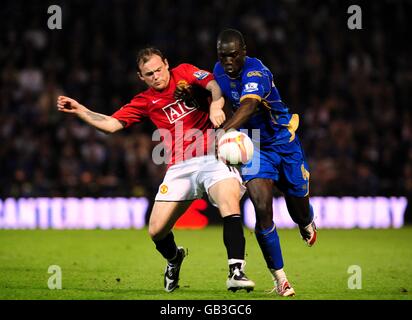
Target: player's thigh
{"x": 223, "y": 184}
{"x": 260, "y": 192}
{"x": 164, "y": 215}
{"x": 226, "y": 194}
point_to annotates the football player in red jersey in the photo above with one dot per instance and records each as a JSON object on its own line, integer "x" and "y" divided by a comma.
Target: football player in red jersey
{"x": 192, "y": 169}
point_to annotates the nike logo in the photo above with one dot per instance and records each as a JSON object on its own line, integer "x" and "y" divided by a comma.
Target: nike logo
{"x": 156, "y": 101}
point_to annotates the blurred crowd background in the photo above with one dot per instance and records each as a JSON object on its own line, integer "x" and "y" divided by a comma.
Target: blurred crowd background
{"x": 351, "y": 88}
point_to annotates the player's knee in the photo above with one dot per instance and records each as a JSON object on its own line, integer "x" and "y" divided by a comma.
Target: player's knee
{"x": 228, "y": 199}
{"x": 229, "y": 206}
{"x": 152, "y": 233}
{"x": 264, "y": 215}
{"x": 155, "y": 232}
{"x": 262, "y": 200}
{"x": 263, "y": 208}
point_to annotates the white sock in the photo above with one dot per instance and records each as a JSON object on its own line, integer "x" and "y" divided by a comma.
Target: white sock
{"x": 278, "y": 274}
{"x": 233, "y": 261}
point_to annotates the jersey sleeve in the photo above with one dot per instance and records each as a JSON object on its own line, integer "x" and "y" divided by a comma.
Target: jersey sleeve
{"x": 253, "y": 85}
{"x": 196, "y": 75}
{"x": 133, "y": 112}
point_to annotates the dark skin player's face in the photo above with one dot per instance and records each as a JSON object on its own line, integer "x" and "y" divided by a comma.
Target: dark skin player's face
{"x": 231, "y": 56}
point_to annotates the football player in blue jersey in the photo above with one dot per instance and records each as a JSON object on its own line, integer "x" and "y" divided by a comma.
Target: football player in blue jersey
{"x": 279, "y": 159}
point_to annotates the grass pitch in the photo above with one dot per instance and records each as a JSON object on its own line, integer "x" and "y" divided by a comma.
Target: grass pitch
{"x": 123, "y": 264}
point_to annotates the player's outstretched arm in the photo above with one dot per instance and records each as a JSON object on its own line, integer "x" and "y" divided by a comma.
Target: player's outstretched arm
{"x": 100, "y": 121}
{"x": 247, "y": 107}
{"x": 217, "y": 115}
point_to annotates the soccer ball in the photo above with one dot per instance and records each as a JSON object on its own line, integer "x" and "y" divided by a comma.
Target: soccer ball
{"x": 235, "y": 147}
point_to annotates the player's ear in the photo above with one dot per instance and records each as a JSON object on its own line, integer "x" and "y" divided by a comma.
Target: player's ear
{"x": 139, "y": 75}
{"x": 166, "y": 64}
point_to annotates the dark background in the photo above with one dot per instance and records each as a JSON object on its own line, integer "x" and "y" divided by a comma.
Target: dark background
{"x": 351, "y": 88}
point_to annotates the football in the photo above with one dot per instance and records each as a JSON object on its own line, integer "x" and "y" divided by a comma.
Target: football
{"x": 235, "y": 147}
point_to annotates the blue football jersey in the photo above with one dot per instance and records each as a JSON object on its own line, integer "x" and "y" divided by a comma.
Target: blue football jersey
{"x": 276, "y": 124}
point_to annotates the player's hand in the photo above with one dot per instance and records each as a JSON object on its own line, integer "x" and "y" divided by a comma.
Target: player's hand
{"x": 216, "y": 113}
{"x": 69, "y": 105}
{"x": 183, "y": 91}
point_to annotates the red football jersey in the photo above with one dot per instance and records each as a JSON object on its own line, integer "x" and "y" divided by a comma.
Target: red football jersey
{"x": 183, "y": 128}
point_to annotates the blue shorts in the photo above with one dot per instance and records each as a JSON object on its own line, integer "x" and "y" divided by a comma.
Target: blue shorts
{"x": 285, "y": 164}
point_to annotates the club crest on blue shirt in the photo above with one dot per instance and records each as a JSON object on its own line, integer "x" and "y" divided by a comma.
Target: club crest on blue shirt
{"x": 235, "y": 95}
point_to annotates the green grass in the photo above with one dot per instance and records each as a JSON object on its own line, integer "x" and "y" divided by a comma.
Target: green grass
{"x": 123, "y": 264}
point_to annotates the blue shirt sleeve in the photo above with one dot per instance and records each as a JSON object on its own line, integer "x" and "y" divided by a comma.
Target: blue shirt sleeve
{"x": 253, "y": 85}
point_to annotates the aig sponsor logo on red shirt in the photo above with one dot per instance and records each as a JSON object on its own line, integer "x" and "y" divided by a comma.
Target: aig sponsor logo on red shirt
{"x": 177, "y": 110}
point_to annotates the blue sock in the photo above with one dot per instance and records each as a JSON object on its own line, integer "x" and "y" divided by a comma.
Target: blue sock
{"x": 269, "y": 243}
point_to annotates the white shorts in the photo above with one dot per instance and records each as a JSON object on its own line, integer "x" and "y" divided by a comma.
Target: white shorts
{"x": 190, "y": 179}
